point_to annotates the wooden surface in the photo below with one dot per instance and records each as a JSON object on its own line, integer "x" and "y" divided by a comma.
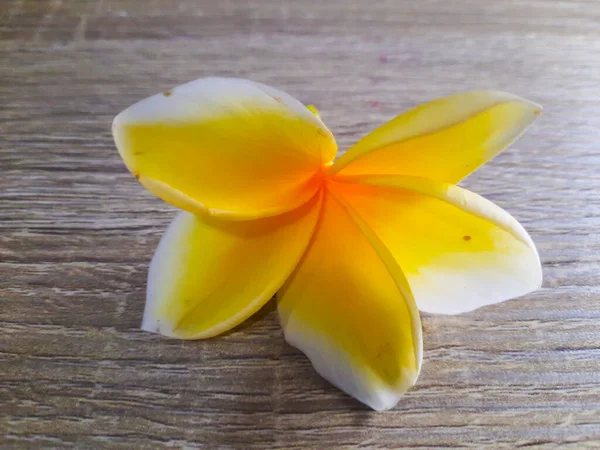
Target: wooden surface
{"x": 77, "y": 232}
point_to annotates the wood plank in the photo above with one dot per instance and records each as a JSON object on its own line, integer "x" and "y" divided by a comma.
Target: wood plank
{"x": 77, "y": 232}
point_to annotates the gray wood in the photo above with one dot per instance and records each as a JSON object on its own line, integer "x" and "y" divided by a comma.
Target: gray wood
{"x": 77, "y": 232}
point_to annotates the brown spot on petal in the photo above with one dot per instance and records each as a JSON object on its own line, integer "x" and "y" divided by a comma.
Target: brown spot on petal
{"x": 278, "y": 99}
{"x": 466, "y": 238}
{"x": 168, "y": 93}
{"x": 383, "y": 350}
{"x": 537, "y": 112}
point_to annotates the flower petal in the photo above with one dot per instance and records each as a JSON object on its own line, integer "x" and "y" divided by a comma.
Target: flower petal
{"x": 445, "y": 139}
{"x": 225, "y": 146}
{"x": 209, "y": 275}
{"x": 458, "y": 250}
{"x": 349, "y": 309}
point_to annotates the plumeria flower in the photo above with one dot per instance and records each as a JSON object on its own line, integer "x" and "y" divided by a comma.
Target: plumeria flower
{"x": 353, "y": 249}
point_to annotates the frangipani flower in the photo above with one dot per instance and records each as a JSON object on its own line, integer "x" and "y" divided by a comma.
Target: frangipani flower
{"x": 353, "y": 249}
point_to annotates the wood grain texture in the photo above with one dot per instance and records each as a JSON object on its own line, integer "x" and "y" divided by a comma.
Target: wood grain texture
{"x": 77, "y": 232}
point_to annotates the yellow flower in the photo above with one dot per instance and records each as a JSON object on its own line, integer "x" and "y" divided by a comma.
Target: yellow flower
{"x": 353, "y": 249}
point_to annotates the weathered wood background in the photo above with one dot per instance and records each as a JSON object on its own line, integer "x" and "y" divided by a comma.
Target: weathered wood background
{"x": 77, "y": 232}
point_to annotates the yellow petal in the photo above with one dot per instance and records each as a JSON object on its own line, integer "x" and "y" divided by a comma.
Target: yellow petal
{"x": 313, "y": 109}
{"x": 225, "y": 146}
{"x": 458, "y": 250}
{"x": 349, "y": 309}
{"x": 208, "y": 275}
{"x": 446, "y": 139}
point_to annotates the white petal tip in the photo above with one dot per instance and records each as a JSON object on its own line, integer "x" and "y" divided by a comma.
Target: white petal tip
{"x": 358, "y": 382}
{"x": 153, "y": 325}
{"x": 454, "y": 308}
